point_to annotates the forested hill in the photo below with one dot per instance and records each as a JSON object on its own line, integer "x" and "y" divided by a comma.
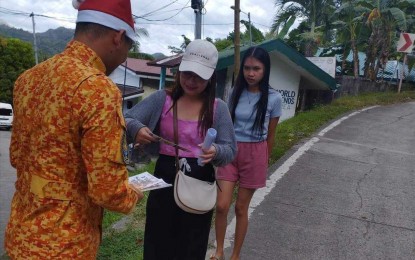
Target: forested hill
{"x": 49, "y": 43}
{"x": 54, "y": 41}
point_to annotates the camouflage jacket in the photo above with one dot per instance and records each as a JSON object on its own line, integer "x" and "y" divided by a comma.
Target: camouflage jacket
{"x": 68, "y": 147}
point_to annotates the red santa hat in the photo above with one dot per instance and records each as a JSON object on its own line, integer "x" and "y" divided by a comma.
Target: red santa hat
{"x": 115, "y": 14}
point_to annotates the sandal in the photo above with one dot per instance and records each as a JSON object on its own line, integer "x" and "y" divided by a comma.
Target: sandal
{"x": 214, "y": 257}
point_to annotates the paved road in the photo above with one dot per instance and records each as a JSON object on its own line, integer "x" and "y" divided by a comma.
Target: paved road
{"x": 7, "y": 179}
{"x": 346, "y": 193}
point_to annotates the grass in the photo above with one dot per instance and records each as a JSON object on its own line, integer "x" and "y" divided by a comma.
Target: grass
{"x": 304, "y": 124}
{"x": 122, "y": 245}
{"x": 125, "y": 243}
{"x": 128, "y": 242}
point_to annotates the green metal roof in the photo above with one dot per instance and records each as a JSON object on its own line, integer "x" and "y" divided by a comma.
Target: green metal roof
{"x": 305, "y": 67}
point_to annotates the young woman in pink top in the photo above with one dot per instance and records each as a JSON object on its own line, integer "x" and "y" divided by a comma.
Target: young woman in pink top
{"x": 170, "y": 232}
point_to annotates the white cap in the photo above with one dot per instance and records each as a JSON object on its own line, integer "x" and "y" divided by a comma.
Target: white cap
{"x": 200, "y": 57}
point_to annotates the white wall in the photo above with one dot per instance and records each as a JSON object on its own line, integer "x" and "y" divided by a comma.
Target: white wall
{"x": 131, "y": 78}
{"x": 287, "y": 81}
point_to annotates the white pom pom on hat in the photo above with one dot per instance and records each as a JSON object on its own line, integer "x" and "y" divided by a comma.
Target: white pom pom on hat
{"x": 76, "y": 3}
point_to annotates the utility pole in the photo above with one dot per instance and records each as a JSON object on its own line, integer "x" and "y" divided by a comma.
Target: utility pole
{"x": 250, "y": 31}
{"x": 249, "y": 21}
{"x": 197, "y": 6}
{"x": 237, "y": 51}
{"x": 236, "y": 39}
{"x": 34, "y": 36}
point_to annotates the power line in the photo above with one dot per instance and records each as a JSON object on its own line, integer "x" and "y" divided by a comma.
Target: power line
{"x": 179, "y": 24}
{"x": 148, "y": 5}
{"x": 168, "y": 11}
{"x": 67, "y": 19}
{"x": 143, "y": 17}
{"x": 16, "y": 12}
{"x": 12, "y": 12}
{"x": 154, "y": 20}
{"x": 161, "y": 8}
{"x": 266, "y": 26}
{"x": 72, "y": 20}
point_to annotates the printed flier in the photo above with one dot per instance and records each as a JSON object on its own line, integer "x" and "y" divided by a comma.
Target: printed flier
{"x": 146, "y": 181}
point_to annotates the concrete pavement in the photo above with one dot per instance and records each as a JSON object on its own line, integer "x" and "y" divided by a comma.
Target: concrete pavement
{"x": 346, "y": 193}
{"x": 7, "y": 180}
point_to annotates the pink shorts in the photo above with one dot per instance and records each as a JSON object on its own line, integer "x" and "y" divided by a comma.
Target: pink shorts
{"x": 249, "y": 167}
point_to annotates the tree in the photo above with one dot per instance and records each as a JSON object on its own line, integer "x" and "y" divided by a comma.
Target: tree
{"x": 295, "y": 40}
{"x": 135, "y": 52}
{"x": 140, "y": 55}
{"x": 182, "y": 47}
{"x": 348, "y": 20}
{"x": 315, "y": 13}
{"x": 222, "y": 44}
{"x": 384, "y": 18}
{"x": 257, "y": 35}
{"x": 16, "y": 57}
{"x": 225, "y": 43}
{"x": 141, "y": 32}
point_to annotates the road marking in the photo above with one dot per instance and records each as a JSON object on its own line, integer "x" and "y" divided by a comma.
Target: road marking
{"x": 337, "y": 122}
{"x": 260, "y": 194}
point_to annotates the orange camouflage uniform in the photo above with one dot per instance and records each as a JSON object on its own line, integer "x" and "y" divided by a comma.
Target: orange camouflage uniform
{"x": 67, "y": 146}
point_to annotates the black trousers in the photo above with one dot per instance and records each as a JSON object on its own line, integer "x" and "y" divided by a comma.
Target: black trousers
{"x": 170, "y": 232}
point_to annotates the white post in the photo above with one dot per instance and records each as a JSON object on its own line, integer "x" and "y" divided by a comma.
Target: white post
{"x": 402, "y": 73}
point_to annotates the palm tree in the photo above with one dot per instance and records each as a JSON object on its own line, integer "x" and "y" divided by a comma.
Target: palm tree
{"x": 281, "y": 31}
{"x": 348, "y": 20}
{"x": 178, "y": 50}
{"x": 384, "y": 18}
{"x": 141, "y": 32}
{"x": 314, "y": 12}
{"x": 257, "y": 35}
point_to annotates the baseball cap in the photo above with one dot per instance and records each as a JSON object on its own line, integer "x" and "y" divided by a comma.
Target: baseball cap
{"x": 200, "y": 57}
{"x": 115, "y": 14}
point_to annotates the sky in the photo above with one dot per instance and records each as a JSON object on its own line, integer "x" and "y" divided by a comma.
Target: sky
{"x": 165, "y": 20}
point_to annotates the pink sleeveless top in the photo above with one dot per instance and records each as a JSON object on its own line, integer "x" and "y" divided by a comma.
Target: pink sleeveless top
{"x": 188, "y": 133}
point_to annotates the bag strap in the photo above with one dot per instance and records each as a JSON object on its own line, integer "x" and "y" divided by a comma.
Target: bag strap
{"x": 176, "y": 137}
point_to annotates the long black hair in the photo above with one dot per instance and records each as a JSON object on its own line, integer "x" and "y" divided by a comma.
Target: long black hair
{"x": 241, "y": 84}
{"x": 206, "y": 113}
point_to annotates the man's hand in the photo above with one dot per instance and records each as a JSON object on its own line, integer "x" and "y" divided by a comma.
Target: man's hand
{"x": 138, "y": 191}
